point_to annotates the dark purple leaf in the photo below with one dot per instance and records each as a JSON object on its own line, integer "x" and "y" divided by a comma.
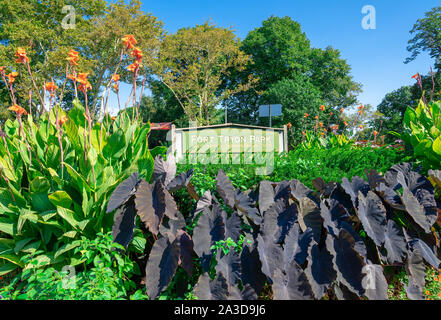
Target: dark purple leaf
{"x": 153, "y": 202}
{"x": 209, "y": 229}
{"x": 225, "y": 189}
{"x": 164, "y": 170}
{"x": 296, "y": 245}
{"x": 245, "y": 205}
{"x": 161, "y": 266}
{"x": 395, "y": 243}
{"x": 252, "y": 268}
{"x": 270, "y": 254}
{"x": 229, "y": 266}
{"x": 347, "y": 261}
{"x": 207, "y": 289}
{"x": 372, "y": 215}
{"x": 374, "y": 282}
{"x": 123, "y": 192}
{"x": 124, "y": 224}
{"x": 266, "y": 195}
{"x": 293, "y": 285}
{"x": 180, "y": 181}
{"x": 320, "y": 271}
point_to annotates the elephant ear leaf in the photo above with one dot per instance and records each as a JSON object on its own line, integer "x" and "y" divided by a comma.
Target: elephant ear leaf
{"x": 209, "y": 229}
{"x": 416, "y": 272}
{"x": 355, "y": 187}
{"x": 299, "y": 190}
{"x": 374, "y": 282}
{"x": 372, "y": 215}
{"x": 180, "y": 181}
{"x": 123, "y": 192}
{"x": 296, "y": 245}
{"x": 153, "y": 202}
{"x": 186, "y": 251}
{"x": 395, "y": 243}
{"x": 229, "y": 266}
{"x": 419, "y": 199}
{"x": 278, "y": 220}
{"x": 270, "y": 254}
{"x": 124, "y": 224}
{"x": 225, "y": 189}
{"x": 347, "y": 261}
{"x": 207, "y": 289}
{"x": 309, "y": 217}
{"x": 233, "y": 226}
{"x": 425, "y": 251}
{"x": 245, "y": 204}
{"x": 252, "y": 268}
{"x": 164, "y": 170}
{"x": 266, "y": 195}
{"x": 293, "y": 285}
{"x": 320, "y": 271}
{"x": 161, "y": 266}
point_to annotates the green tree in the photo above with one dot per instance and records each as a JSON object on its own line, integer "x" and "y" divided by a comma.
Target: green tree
{"x": 37, "y": 25}
{"x": 282, "y": 55}
{"x": 194, "y": 62}
{"x": 394, "y": 105}
{"x": 427, "y": 36}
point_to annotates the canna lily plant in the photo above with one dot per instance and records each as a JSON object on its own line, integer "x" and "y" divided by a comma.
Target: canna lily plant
{"x": 58, "y": 170}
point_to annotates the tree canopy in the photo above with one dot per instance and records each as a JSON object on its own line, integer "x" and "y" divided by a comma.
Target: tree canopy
{"x": 291, "y": 72}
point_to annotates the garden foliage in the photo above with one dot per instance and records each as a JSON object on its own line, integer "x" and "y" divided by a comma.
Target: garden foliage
{"x": 55, "y": 186}
{"x": 302, "y": 244}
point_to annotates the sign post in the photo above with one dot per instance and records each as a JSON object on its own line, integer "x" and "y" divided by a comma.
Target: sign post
{"x": 270, "y": 110}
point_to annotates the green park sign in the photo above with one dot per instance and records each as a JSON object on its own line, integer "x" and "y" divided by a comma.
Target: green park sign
{"x": 228, "y": 139}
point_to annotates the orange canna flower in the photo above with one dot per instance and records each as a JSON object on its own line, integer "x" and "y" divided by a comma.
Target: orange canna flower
{"x": 115, "y": 86}
{"x": 325, "y": 130}
{"x": 306, "y": 115}
{"x": 135, "y": 65}
{"x": 2, "y": 70}
{"x": 289, "y": 125}
{"x": 129, "y": 41}
{"x": 427, "y": 292}
{"x": 360, "y": 112}
{"x": 360, "y": 126}
{"x": 18, "y": 110}
{"x": 21, "y": 56}
{"x": 304, "y": 133}
{"x": 137, "y": 54}
{"x": 50, "y": 87}
{"x": 415, "y": 76}
{"x": 84, "y": 86}
{"x": 345, "y": 123}
{"x": 72, "y": 57}
{"x": 11, "y": 76}
{"x": 321, "y": 124}
{"x": 322, "y": 107}
{"x": 115, "y": 78}
{"x": 341, "y": 110}
{"x": 82, "y": 78}
{"x": 113, "y": 118}
{"x": 316, "y": 117}
{"x": 375, "y": 133}
{"x": 360, "y": 107}
{"x": 72, "y": 77}
{"x": 63, "y": 119}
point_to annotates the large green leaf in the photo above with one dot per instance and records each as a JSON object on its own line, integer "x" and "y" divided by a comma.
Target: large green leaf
{"x": 61, "y": 199}
{"x": 116, "y": 145}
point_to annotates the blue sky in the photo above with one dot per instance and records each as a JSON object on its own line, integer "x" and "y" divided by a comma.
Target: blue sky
{"x": 376, "y": 56}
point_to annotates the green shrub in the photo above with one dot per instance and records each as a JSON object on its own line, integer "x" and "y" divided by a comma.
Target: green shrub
{"x": 105, "y": 275}
{"x": 422, "y": 132}
{"x": 54, "y": 184}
